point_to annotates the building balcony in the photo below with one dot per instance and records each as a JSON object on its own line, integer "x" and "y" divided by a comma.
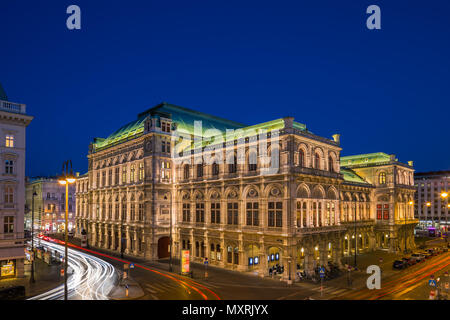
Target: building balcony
{"x": 359, "y": 223}
{"x": 407, "y": 221}
{"x": 317, "y": 172}
{"x": 318, "y": 230}
{"x": 12, "y": 107}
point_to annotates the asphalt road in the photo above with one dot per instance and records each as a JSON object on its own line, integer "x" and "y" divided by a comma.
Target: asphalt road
{"x": 407, "y": 284}
{"x": 159, "y": 284}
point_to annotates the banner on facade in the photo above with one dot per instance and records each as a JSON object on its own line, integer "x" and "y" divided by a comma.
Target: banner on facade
{"x": 185, "y": 261}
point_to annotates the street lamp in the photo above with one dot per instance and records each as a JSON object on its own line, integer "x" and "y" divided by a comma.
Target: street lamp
{"x": 444, "y": 195}
{"x": 66, "y": 179}
{"x": 32, "y": 237}
{"x": 410, "y": 203}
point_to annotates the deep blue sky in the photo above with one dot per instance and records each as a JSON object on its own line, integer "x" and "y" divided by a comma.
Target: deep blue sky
{"x": 250, "y": 61}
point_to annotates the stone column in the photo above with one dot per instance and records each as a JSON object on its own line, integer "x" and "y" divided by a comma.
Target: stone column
{"x": 323, "y": 253}
{"x": 309, "y": 258}
{"x": 223, "y": 249}
{"x": 112, "y": 245}
{"x": 106, "y": 243}
{"x": 263, "y": 267}
{"x": 148, "y": 247}
{"x": 337, "y": 252}
{"x": 136, "y": 245}
{"x": 128, "y": 247}
{"x": 242, "y": 264}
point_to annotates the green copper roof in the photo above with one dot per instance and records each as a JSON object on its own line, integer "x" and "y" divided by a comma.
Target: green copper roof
{"x": 351, "y": 176}
{"x": 211, "y": 126}
{"x": 365, "y": 159}
{"x": 183, "y": 117}
{"x": 126, "y": 132}
{"x": 3, "y": 95}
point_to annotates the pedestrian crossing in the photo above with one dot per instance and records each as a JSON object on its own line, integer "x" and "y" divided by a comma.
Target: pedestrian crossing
{"x": 333, "y": 291}
{"x": 159, "y": 287}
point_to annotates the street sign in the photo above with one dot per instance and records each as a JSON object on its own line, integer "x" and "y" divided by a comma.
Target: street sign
{"x": 131, "y": 265}
{"x": 206, "y": 261}
{"x": 126, "y": 266}
{"x": 322, "y": 272}
{"x": 432, "y": 282}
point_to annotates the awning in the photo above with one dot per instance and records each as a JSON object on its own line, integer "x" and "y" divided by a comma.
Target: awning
{"x": 12, "y": 253}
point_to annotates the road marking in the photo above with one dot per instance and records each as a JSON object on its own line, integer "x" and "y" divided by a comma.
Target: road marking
{"x": 340, "y": 292}
{"x": 150, "y": 288}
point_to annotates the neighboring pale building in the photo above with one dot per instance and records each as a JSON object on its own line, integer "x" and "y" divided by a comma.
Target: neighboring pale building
{"x": 431, "y": 203}
{"x": 49, "y": 205}
{"x": 275, "y": 193}
{"x": 13, "y": 123}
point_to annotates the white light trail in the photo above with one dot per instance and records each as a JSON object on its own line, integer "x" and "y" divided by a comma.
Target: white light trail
{"x": 91, "y": 277}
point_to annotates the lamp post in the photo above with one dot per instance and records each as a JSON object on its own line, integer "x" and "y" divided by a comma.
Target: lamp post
{"x": 32, "y": 237}
{"x": 410, "y": 203}
{"x": 444, "y": 195}
{"x": 66, "y": 179}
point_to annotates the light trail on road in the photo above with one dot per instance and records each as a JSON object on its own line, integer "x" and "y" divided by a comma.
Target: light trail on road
{"x": 183, "y": 282}
{"x": 91, "y": 279}
{"x": 401, "y": 282}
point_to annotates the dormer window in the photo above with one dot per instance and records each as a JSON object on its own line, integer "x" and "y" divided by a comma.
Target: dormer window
{"x": 165, "y": 126}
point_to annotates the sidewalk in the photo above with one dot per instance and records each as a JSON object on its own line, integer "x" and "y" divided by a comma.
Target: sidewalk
{"x": 47, "y": 277}
{"x": 119, "y": 292}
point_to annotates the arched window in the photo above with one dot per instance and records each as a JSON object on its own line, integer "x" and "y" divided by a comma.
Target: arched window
{"x": 330, "y": 164}
{"x": 301, "y": 158}
{"x": 382, "y": 178}
{"x": 317, "y": 161}
{"x": 186, "y": 172}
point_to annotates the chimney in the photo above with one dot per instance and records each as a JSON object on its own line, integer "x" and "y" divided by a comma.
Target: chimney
{"x": 288, "y": 122}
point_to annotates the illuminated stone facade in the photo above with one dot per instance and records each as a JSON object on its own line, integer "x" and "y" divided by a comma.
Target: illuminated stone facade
{"x": 13, "y": 124}
{"x": 49, "y": 205}
{"x": 242, "y": 207}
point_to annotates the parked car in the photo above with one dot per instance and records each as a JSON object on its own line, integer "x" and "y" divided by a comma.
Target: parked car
{"x": 409, "y": 261}
{"x": 426, "y": 254}
{"x": 418, "y": 257}
{"x": 399, "y": 264}
{"x": 444, "y": 249}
